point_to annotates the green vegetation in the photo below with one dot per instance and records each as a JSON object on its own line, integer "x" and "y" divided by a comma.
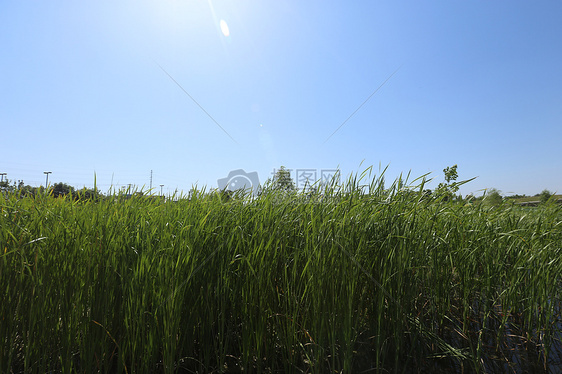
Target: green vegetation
{"x": 57, "y": 190}
{"x": 541, "y": 198}
{"x": 281, "y": 181}
{"x": 492, "y": 197}
{"x": 545, "y": 196}
{"x": 350, "y": 278}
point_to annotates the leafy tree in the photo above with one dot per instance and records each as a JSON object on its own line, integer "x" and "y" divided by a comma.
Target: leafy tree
{"x": 282, "y": 180}
{"x": 20, "y": 187}
{"x": 516, "y": 196}
{"x": 493, "y": 197}
{"x": 447, "y": 189}
{"x": 61, "y": 189}
{"x": 545, "y": 196}
{"x": 26, "y": 190}
{"x": 451, "y": 173}
{"x": 88, "y": 194}
{"x": 5, "y": 186}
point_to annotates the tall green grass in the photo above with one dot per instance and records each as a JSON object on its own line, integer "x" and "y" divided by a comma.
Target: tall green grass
{"x": 351, "y": 278}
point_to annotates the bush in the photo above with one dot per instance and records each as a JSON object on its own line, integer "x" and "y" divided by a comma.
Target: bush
{"x": 493, "y": 197}
{"x": 545, "y": 195}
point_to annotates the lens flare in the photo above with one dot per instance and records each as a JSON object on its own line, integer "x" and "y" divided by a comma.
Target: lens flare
{"x": 224, "y": 28}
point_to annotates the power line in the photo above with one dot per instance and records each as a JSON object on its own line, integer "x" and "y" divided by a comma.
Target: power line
{"x": 364, "y": 102}
{"x": 195, "y": 101}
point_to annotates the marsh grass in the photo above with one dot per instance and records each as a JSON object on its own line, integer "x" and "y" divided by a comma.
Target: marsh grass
{"x": 352, "y": 278}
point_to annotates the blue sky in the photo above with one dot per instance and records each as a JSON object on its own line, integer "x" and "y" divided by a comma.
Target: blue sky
{"x": 473, "y": 83}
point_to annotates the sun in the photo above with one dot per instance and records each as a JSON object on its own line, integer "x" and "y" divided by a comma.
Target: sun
{"x": 224, "y": 28}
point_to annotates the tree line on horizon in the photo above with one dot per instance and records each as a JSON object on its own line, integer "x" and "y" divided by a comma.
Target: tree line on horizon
{"x": 282, "y": 181}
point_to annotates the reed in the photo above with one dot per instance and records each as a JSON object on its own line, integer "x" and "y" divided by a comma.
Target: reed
{"x": 354, "y": 278}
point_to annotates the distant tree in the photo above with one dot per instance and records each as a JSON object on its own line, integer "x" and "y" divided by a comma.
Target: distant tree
{"x": 61, "y": 189}
{"x": 19, "y": 187}
{"x": 516, "y": 196}
{"x": 447, "y": 189}
{"x": 88, "y": 194}
{"x": 451, "y": 173}
{"x": 26, "y": 190}
{"x": 493, "y": 197}
{"x": 545, "y": 196}
{"x": 5, "y": 186}
{"x": 282, "y": 180}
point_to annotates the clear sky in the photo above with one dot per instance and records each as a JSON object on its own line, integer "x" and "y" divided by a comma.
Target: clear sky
{"x": 84, "y": 90}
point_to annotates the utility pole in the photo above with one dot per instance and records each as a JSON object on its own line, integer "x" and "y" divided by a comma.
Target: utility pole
{"x": 2, "y": 174}
{"x": 47, "y": 180}
{"x": 161, "y": 189}
{"x": 151, "y": 179}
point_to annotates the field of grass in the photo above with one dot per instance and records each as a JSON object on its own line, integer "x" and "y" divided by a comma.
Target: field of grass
{"x": 381, "y": 280}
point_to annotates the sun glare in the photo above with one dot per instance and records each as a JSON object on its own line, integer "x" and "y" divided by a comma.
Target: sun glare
{"x": 224, "y": 28}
